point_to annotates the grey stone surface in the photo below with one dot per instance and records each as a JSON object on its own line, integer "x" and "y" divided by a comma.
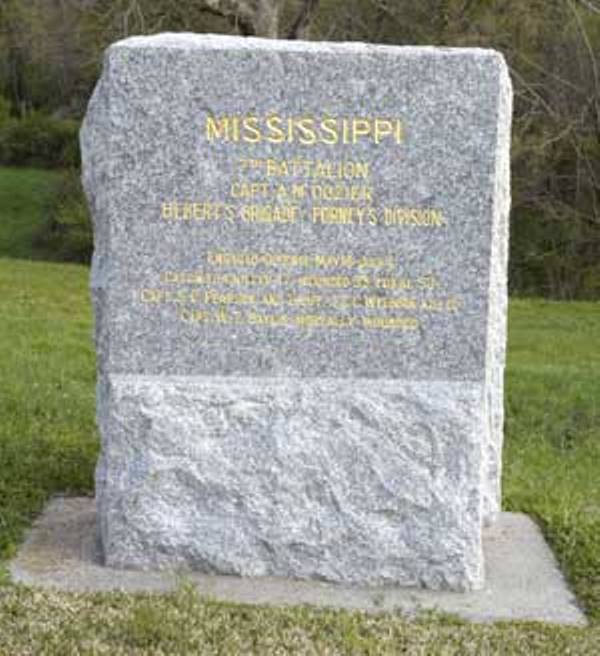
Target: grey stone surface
{"x": 498, "y": 310}
{"x": 295, "y": 478}
{"x": 523, "y": 581}
{"x": 303, "y": 387}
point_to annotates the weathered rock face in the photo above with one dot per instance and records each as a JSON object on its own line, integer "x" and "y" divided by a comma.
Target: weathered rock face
{"x": 294, "y": 478}
{"x": 299, "y": 282}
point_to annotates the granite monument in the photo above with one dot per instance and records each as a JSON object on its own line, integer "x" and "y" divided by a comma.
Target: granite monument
{"x": 299, "y": 283}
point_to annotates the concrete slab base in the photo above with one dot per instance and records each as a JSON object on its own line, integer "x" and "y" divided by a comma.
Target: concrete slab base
{"x": 523, "y": 580}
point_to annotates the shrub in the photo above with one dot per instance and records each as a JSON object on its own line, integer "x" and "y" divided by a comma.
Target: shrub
{"x": 66, "y": 233}
{"x": 38, "y": 140}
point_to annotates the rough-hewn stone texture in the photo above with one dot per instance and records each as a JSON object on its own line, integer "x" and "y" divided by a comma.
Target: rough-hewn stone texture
{"x": 299, "y": 417}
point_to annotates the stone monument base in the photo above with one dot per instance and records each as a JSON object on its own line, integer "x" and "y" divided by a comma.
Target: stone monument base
{"x": 523, "y": 581}
{"x": 341, "y": 481}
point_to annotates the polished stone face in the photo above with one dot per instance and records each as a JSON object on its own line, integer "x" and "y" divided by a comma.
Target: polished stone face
{"x": 299, "y": 284}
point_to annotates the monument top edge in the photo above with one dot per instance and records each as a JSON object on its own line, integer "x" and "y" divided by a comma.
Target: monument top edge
{"x": 193, "y": 41}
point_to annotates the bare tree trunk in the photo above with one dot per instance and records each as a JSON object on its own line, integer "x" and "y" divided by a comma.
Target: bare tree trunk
{"x": 16, "y": 55}
{"x": 301, "y": 25}
{"x": 250, "y": 17}
{"x": 266, "y": 20}
{"x": 241, "y": 13}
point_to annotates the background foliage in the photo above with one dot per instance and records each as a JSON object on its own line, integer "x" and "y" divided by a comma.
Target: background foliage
{"x": 50, "y": 57}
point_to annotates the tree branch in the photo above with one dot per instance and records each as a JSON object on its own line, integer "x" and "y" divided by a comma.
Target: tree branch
{"x": 241, "y": 13}
{"x": 588, "y": 4}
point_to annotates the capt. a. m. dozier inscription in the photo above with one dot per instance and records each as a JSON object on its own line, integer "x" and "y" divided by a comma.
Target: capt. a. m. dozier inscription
{"x": 299, "y": 282}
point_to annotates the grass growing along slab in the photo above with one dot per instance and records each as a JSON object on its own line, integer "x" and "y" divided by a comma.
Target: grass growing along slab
{"x": 47, "y": 436}
{"x": 552, "y": 452}
{"x": 184, "y": 623}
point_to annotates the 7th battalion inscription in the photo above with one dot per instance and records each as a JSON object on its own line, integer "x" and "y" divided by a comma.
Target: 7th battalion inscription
{"x": 299, "y": 284}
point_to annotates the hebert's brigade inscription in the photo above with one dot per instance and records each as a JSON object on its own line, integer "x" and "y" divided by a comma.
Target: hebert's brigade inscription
{"x": 299, "y": 283}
